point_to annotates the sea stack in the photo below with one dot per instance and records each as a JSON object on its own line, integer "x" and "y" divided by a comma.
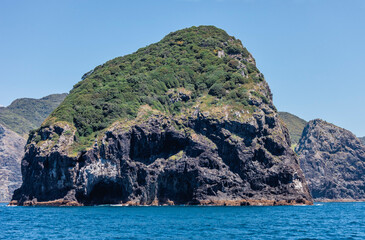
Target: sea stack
{"x": 333, "y": 161}
{"x": 188, "y": 120}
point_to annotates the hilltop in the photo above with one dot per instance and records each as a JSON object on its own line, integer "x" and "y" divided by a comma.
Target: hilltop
{"x": 186, "y": 67}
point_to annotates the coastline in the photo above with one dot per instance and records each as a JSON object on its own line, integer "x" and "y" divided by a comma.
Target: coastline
{"x": 243, "y": 202}
{"x": 252, "y": 202}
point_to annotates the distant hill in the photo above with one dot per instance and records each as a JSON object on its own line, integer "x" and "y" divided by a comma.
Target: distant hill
{"x": 362, "y": 139}
{"x": 25, "y": 114}
{"x": 294, "y": 124}
{"x": 11, "y": 153}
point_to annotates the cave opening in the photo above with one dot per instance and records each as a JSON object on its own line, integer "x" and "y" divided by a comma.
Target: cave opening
{"x": 105, "y": 192}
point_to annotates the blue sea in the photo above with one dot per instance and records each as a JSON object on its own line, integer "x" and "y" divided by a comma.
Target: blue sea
{"x": 320, "y": 221}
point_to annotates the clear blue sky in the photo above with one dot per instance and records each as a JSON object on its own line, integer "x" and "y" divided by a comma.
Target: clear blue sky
{"x": 312, "y": 52}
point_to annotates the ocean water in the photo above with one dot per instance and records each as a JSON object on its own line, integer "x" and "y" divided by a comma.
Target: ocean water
{"x": 320, "y": 221}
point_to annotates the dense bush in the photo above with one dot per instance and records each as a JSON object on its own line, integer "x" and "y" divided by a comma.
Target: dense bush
{"x": 183, "y": 59}
{"x": 216, "y": 90}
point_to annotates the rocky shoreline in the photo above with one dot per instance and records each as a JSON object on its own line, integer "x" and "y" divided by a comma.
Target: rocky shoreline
{"x": 242, "y": 202}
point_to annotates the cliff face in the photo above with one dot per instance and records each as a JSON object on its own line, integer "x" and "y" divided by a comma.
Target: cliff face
{"x": 333, "y": 161}
{"x": 11, "y": 153}
{"x": 200, "y": 138}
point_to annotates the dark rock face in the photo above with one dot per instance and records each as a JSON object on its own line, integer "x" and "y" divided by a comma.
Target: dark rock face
{"x": 333, "y": 161}
{"x": 11, "y": 153}
{"x": 195, "y": 160}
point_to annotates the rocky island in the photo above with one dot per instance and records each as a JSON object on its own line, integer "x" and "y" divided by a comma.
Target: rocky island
{"x": 188, "y": 120}
{"x": 333, "y": 161}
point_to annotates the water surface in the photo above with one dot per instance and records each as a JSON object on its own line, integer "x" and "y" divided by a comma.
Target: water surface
{"x": 320, "y": 221}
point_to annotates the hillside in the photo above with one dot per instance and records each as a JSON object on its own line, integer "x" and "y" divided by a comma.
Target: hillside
{"x": 294, "y": 124}
{"x": 333, "y": 161}
{"x": 362, "y": 139}
{"x": 25, "y": 114}
{"x": 187, "y": 120}
{"x": 184, "y": 65}
{"x": 11, "y": 153}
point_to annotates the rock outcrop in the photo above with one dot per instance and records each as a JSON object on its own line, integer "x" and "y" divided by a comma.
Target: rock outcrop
{"x": 11, "y": 153}
{"x": 333, "y": 161}
{"x": 201, "y": 147}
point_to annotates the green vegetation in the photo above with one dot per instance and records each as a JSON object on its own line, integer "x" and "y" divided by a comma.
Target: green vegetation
{"x": 25, "y": 114}
{"x": 294, "y": 124}
{"x": 186, "y": 59}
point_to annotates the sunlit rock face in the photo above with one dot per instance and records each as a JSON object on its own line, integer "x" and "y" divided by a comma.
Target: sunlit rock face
{"x": 333, "y": 161}
{"x": 11, "y": 153}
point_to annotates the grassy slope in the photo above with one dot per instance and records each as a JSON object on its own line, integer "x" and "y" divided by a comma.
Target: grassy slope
{"x": 25, "y": 114}
{"x": 294, "y": 124}
{"x": 185, "y": 62}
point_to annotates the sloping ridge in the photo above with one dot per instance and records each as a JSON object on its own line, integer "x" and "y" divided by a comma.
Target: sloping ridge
{"x": 294, "y": 124}
{"x": 187, "y": 120}
{"x": 25, "y": 114}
